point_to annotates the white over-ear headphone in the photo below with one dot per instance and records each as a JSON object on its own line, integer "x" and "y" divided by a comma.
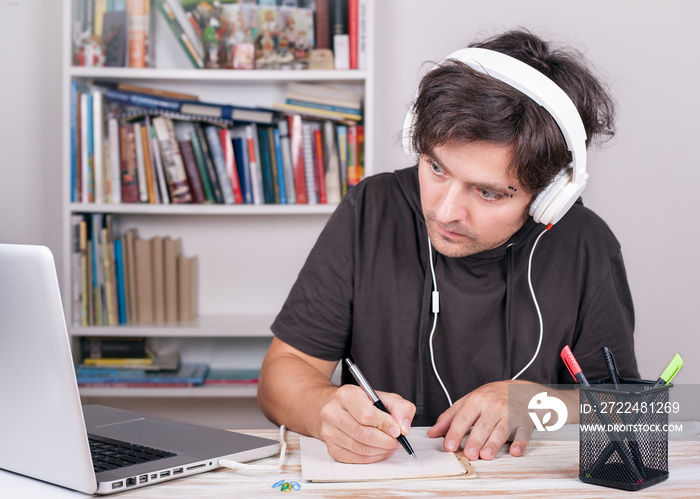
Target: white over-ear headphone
{"x": 552, "y": 203}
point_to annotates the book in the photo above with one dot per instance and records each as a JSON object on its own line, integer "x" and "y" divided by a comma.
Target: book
{"x": 279, "y": 165}
{"x": 342, "y": 142}
{"x": 287, "y": 165}
{"x": 320, "y": 162}
{"x": 158, "y": 278}
{"x": 163, "y": 194}
{"x": 217, "y": 156}
{"x": 97, "y": 284}
{"x": 127, "y": 155}
{"x": 187, "y": 273}
{"x": 189, "y": 107}
{"x": 201, "y": 167}
{"x": 74, "y": 142}
{"x": 230, "y": 160}
{"x": 84, "y": 278}
{"x": 240, "y": 150}
{"x": 121, "y": 290}
{"x": 362, "y": 29}
{"x": 341, "y": 51}
{"x": 310, "y": 170}
{"x": 222, "y": 376}
{"x": 153, "y": 361}
{"x": 322, "y": 25}
{"x": 149, "y": 167}
{"x": 186, "y": 375}
{"x": 334, "y": 96}
{"x": 143, "y": 257}
{"x": 137, "y": 34}
{"x": 114, "y": 38}
{"x": 98, "y": 140}
{"x": 315, "y": 112}
{"x": 184, "y": 23}
{"x": 76, "y": 306}
{"x": 209, "y": 163}
{"x": 187, "y": 44}
{"x": 338, "y": 20}
{"x": 297, "y": 148}
{"x": 130, "y": 276}
{"x": 115, "y": 191}
{"x": 142, "y": 182}
{"x": 96, "y": 347}
{"x": 86, "y": 165}
{"x": 171, "y": 252}
{"x": 256, "y": 180}
{"x": 266, "y": 166}
{"x": 183, "y": 131}
{"x": 193, "y": 177}
{"x": 353, "y": 159}
{"x": 173, "y": 166}
{"x": 353, "y": 20}
{"x": 332, "y": 172}
{"x": 130, "y": 87}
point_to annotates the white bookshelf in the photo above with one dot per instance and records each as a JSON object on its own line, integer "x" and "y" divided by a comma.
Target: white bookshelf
{"x": 249, "y": 255}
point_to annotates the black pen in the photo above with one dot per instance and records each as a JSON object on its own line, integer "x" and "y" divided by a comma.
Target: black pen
{"x": 612, "y": 367}
{"x": 364, "y": 384}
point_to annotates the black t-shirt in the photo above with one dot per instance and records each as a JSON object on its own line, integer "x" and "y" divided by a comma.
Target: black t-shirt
{"x": 365, "y": 292}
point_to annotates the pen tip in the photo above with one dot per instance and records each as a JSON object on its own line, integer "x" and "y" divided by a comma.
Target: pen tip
{"x": 414, "y": 455}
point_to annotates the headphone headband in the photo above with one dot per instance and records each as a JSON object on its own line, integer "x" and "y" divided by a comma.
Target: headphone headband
{"x": 558, "y": 197}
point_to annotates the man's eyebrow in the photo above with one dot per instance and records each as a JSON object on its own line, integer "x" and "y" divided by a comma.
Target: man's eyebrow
{"x": 506, "y": 190}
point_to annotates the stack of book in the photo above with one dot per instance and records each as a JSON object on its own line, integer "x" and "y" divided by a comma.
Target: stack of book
{"x": 124, "y": 279}
{"x": 156, "y": 147}
{"x": 130, "y": 362}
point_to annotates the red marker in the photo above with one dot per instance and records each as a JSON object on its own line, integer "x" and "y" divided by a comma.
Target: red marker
{"x": 573, "y": 367}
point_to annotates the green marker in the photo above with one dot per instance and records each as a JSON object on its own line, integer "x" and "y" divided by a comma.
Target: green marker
{"x": 670, "y": 371}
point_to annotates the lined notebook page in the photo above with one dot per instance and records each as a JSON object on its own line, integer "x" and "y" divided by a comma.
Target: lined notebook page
{"x": 318, "y": 466}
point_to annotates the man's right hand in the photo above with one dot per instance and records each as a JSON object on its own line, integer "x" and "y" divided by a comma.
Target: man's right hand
{"x": 357, "y": 432}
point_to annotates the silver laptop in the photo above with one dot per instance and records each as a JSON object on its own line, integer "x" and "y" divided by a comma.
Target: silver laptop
{"x": 43, "y": 427}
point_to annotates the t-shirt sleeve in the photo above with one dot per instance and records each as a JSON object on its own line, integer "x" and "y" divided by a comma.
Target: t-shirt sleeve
{"x": 607, "y": 320}
{"x": 316, "y": 318}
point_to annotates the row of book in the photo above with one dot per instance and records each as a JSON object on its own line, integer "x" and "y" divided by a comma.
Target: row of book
{"x": 131, "y": 362}
{"x": 176, "y": 151}
{"x": 233, "y": 34}
{"x": 120, "y": 279}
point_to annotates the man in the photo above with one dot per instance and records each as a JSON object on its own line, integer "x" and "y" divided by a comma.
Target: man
{"x": 458, "y": 222}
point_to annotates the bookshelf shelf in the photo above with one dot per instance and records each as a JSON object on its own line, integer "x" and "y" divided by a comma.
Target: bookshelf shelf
{"x": 248, "y": 255}
{"x": 230, "y": 391}
{"x": 204, "y": 326}
{"x": 197, "y": 209}
{"x": 219, "y": 75}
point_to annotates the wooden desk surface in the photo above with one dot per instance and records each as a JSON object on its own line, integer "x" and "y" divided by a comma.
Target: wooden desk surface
{"x": 548, "y": 469}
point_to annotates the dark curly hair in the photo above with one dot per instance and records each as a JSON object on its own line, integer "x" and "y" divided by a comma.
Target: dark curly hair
{"x": 457, "y": 104}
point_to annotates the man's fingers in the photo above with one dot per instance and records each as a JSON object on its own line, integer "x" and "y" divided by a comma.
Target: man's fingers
{"x": 402, "y": 411}
{"x": 520, "y": 440}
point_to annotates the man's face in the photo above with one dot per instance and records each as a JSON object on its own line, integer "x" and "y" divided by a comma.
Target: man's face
{"x": 470, "y": 201}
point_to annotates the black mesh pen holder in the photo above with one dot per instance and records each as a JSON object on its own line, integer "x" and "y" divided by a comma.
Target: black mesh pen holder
{"x": 623, "y": 434}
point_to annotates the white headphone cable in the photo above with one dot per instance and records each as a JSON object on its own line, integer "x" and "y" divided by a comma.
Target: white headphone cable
{"x": 436, "y": 309}
{"x": 534, "y": 299}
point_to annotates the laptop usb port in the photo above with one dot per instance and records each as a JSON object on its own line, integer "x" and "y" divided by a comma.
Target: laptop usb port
{"x": 117, "y": 485}
{"x": 177, "y": 471}
{"x": 164, "y": 474}
{"x": 143, "y": 478}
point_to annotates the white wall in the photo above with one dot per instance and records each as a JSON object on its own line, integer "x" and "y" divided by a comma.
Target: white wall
{"x": 643, "y": 183}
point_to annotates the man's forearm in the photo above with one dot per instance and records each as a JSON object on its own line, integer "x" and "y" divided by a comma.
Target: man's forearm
{"x": 292, "y": 392}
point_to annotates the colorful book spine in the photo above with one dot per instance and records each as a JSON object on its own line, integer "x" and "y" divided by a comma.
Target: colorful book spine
{"x": 163, "y": 196}
{"x": 121, "y": 294}
{"x": 230, "y": 159}
{"x": 211, "y": 169}
{"x": 98, "y": 141}
{"x": 129, "y": 185}
{"x": 342, "y": 141}
{"x": 240, "y": 149}
{"x": 330, "y": 153}
{"x": 217, "y": 156}
{"x": 201, "y": 167}
{"x": 286, "y": 146}
{"x": 295, "y": 135}
{"x": 138, "y": 13}
{"x": 266, "y": 166}
{"x": 140, "y": 165}
{"x": 115, "y": 192}
{"x": 256, "y": 180}
{"x": 280, "y": 166}
{"x": 172, "y": 161}
{"x": 320, "y": 166}
{"x": 193, "y": 177}
{"x": 307, "y": 139}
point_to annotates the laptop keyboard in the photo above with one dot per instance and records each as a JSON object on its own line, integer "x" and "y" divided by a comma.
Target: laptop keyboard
{"x": 108, "y": 454}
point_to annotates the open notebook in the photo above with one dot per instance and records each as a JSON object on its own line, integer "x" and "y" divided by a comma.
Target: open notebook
{"x": 432, "y": 462}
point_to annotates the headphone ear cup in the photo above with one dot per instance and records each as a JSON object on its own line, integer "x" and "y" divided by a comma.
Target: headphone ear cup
{"x": 560, "y": 195}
